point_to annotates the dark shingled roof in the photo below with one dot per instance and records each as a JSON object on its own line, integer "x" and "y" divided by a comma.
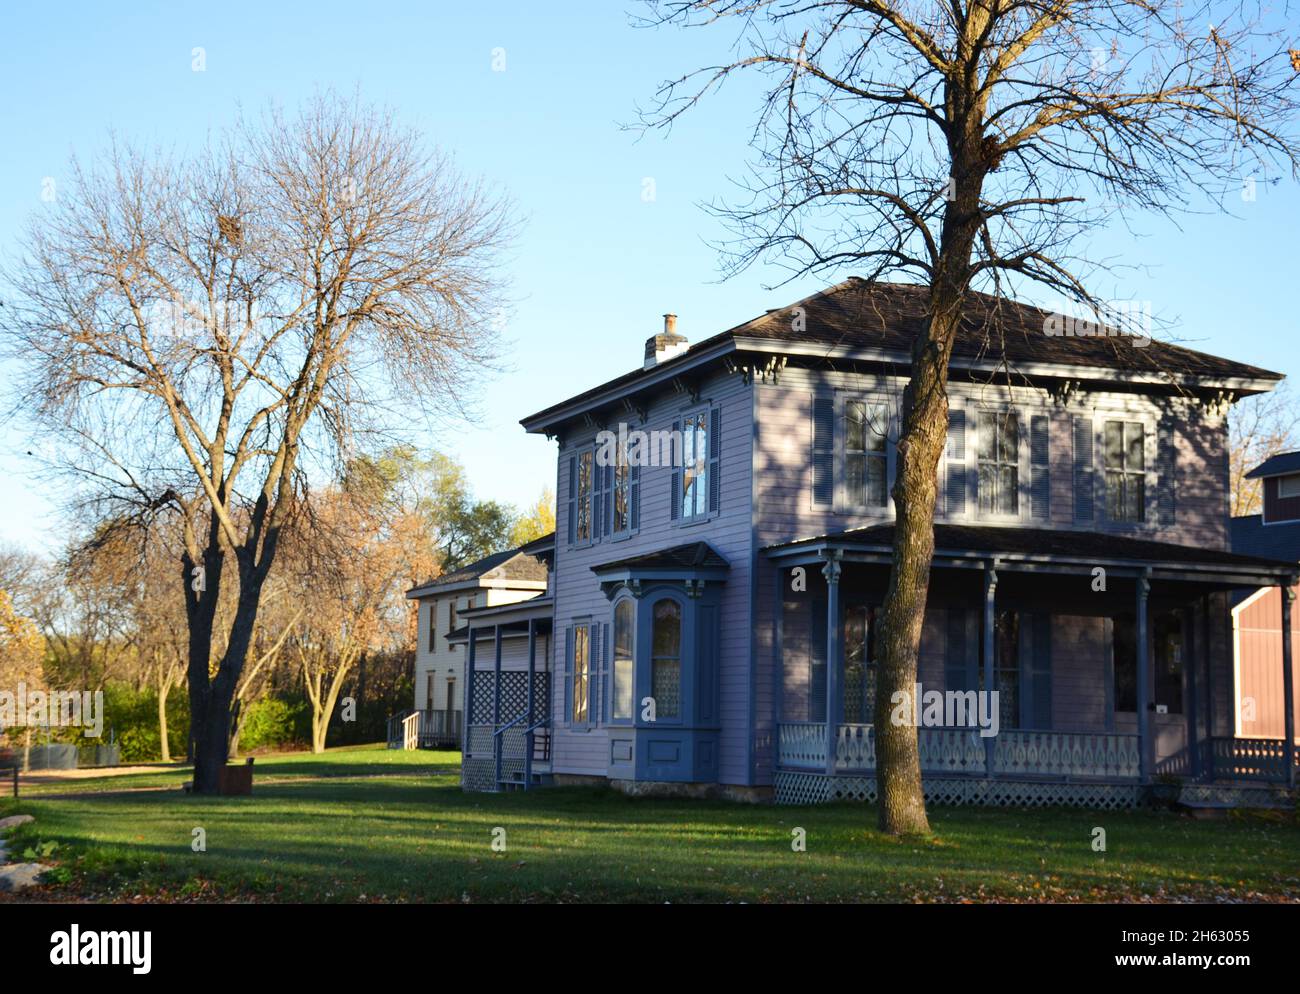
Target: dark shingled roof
{"x": 512, "y": 564}
{"x": 1249, "y": 537}
{"x": 888, "y": 316}
{"x": 1278, "y": 465}
{"x": 696, "y": 555}
{"x": 1050, "y": 542}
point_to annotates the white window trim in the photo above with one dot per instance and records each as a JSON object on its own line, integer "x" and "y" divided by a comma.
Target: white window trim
{"x": 840, "y": 501}
{"x": 1150, "y": 422}
{"x": 1281, "y": 482}
{"x": 1024, "y": 470}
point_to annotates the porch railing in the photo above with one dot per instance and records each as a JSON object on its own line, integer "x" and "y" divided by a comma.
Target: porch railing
{"x": 802, "y": 746}
{"x": 962, "y": 751}
{"x": 1248, "y": 759}
{"x": 425, "y": 730}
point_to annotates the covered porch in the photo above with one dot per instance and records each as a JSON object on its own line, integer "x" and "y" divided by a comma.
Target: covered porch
{"x": 507, "y": 730}
{"x": 1110, "y": 658}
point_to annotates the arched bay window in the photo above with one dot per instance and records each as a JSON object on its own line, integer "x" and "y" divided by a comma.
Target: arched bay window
{"x": 622, "y": 692}
{"x": 666, "y": 660}
{"x": 665, "y": 628}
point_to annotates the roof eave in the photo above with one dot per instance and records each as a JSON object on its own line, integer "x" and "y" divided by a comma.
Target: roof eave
{"x": 700, "y": 355}
{"x": 1239, "y": 384}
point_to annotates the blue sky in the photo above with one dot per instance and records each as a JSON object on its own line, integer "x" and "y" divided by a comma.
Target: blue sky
{"x": 597, "y": 264}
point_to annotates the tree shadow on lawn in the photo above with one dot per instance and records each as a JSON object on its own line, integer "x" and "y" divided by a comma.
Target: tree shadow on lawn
{"x": 430, "y": 841}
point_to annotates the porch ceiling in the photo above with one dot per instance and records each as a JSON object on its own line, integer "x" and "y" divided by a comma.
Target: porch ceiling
{"x": 1047, "y": 550}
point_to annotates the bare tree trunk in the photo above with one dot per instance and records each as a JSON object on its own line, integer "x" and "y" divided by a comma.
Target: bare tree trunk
{"x": 921, "y": 442}
{"x": 164, "y": 745}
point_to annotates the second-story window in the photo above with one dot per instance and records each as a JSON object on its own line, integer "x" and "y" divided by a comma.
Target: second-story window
{"x": 451, "y": 616}
{"x": 1125, "y": 465}
{"x": 433, "y": 626}
{"x": 865, "y": 455}
{"x": 622, "y": 492}
{"x": 582, "y": 495}
{"x": 999, "y": 462}
{"x": 695, "y": 465}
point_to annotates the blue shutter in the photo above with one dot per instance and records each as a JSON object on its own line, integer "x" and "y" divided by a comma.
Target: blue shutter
{"x": 675, "y": 480}
{"x": 1039, "y": 472}
{"x": 594, "y": 645}
{"x": 817, "y": 660}
{"x": 823, "y": 453}
{"x": 954, "y": 657}
{"x": 715, "y": 459}
{"x": 1167, "y": 467}
{"x": 571, "y": 502}
{"x": 1083, "y": 469}
{"x": 568, "y": 674}
{"x": 955, "y": 484}
{"x": 604, "y": 672}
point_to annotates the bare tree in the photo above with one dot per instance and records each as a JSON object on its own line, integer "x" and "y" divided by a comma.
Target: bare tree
{"x": 968, "y": 144}
{"x": 203, "y": 333}
{"x": 1259, "y": 427}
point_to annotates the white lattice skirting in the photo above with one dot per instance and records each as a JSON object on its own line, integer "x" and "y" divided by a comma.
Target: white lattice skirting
{"x": 816, "y": 788}
{"x": 479, "y": 774}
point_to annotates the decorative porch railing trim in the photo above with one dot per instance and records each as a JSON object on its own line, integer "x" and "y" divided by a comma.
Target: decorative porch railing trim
{"x": 1015, "y": 752}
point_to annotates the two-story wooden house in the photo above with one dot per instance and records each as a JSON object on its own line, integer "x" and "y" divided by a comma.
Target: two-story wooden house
{"x": 723, "y": 546}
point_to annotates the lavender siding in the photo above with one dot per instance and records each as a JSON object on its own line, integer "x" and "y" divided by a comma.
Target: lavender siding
{"x": 578, "y": 595}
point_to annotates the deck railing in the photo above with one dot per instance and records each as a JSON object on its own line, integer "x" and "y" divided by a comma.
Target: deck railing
{"x": 962, "y": 751}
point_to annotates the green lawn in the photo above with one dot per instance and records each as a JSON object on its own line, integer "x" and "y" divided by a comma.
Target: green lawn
{"x": 368, "y": 824}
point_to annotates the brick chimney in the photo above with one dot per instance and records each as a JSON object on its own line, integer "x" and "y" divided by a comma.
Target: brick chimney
{"x": 665, "y": 345}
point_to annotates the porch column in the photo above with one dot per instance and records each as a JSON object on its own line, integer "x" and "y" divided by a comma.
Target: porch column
{"x": 1288, "y": 685}
{"x": 467, "y": 714}
{"x": 496, "y": 677}
{"x": 1193, "y": 651}
{"x": 990, "y": 649}
{"x": 832, "y": 573}
{"x": 1143, "y": 676}
{"x": 497, "y": 740}
{"x": 532, "y": 703}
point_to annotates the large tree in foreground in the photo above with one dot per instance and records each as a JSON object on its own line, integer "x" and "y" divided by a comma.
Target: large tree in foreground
{"x": 204, "y": 333}
{"x": 968, "y": 144}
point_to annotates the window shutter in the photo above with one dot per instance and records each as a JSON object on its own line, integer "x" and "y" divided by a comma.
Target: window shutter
{"x": 823, "y": 454}
{"x": 1038, "y": 710}
{"x": 604, "y": 672}
{"x": 594, "y": 645}
{"x": 955, "y": 483}
{"x": 634, "y": 497}
{"x": 1083, "y": 469}
{"x": 675, "y": 481}
{"x": 954, "y": 657}
{"x": 1039, "y": 473}
{"x": 571, "y": 502}
{"x": 568, "y": 674}
{"x": 715, "y": 454}
{"x": 1167, "y": 466}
